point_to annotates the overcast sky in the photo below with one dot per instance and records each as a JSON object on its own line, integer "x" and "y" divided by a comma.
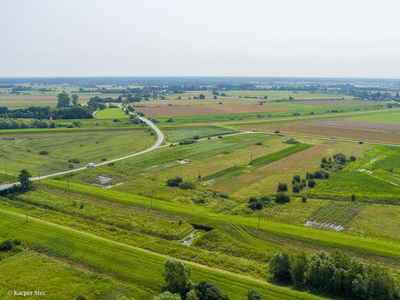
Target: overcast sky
{"x": 332, "y": 38}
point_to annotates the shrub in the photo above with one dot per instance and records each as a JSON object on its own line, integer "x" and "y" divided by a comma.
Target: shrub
{"x": 77, "y": 123}
{"x": 296, "y": 188}
{"x": 254, "y": 295}
{"x": 170, "y": 120}
{"x": 74, "y": 160}
{"x": 311, "y": 183}
{"x": 318, "y": 175}
{"x": 187, "y": 185}
{"x": 282, "y": 187}
{"x": 277, "y": 131}
{"x": 296, "y": 178}
{"x": 220, "y": 136}
{"x": 6, "y": 245}
{"x": 44, "y": 152}
{"x": 116, "y": 120}
{"x": 304, "y": 199}
{"x": 282, "y": 198}
{"x": 187, "y": 142}
{"x": 196, "y": 137}
{"x": 223, "y": 195}
{"x": 174, "y": 181}
{"x": 353, "y": 198}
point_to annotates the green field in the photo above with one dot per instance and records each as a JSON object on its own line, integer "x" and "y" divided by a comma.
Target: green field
{"x": 21, "y": 150}
{"x": 41, "y": 277}
{"x": 386, "y": 117}
{"x": 105, "y": 232}
{"x": 178, "y": 133}
{"x": 373, "y": 177}
{"x": 111, "y": 113}
{"x": 138, "y": 268}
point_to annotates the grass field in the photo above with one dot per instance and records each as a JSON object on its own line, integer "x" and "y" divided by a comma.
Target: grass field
{"x": 21, "y": 150}
{"x": 48, "y": 275}
{"x": 111, "y": 113}
{"x": 386, "y": 117}
{"x": 200, "y": 215}
{"x": 178, "y": 133}
{"x": 139, "y": 268}
{"x": 374, "y": 177}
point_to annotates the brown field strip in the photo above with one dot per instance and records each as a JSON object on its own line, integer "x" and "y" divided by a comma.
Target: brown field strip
{"x": 234, "y": 184}
{"x": 333, "y": 103}
{"x": 205, "y": 109}
{"x": 373, "y": 132}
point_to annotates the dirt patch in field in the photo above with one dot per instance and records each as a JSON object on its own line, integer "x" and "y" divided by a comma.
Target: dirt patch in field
{"x": 333, "y": 103}
{"x": 356, "y": 125}
{"x": 205, "y": 109}
{"x": 373, "y": 132}
{"x": 234, "y": 184}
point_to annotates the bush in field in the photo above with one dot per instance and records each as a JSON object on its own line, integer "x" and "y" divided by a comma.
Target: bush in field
{"x": 44, "y": 152}
{"x": 296, "y": 188}
{"x": 6, "y": 245}
{"x": 254, "y": 295}
{"x": 74, "y": 160}
{"x": 170, "y": 120}
{"x": 296, "y": 178}
{"x": 311, "y": 183}
{"x": 304, "y": 199}
{"x": 281, "y": 197}
{"x": 187, "y": 142}
{"x": 187, "y": 185}
{"x": 201, "y": 96}
{"x": 167, "y": 296}
{"x": 196, "y": 137}
{"x": 259, "y": 204}
{"x": 282, "y": 187}
{"x": 77, "y": 123}
{"x": 207, "y": 290}
{"x": 223, "y": 195}
{"x": 174, "y": 181}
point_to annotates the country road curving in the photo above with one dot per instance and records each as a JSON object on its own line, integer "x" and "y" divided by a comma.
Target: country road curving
{"x": 160, "y": 139}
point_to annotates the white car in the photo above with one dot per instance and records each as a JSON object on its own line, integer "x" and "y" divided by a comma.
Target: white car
{"x": 90, "y": 165}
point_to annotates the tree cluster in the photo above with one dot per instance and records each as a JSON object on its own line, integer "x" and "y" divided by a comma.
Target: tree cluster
{"x": 178, "y": 182}
{"x": 335, "y": 274}
{"x": 336, "y": 163}
{"x": 179, "y": 287}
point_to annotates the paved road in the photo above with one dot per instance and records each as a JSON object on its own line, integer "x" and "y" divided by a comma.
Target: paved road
{"x": 159, "y": 141}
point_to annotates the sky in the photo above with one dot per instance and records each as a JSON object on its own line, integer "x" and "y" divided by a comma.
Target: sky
{"x": 272, "y": 38}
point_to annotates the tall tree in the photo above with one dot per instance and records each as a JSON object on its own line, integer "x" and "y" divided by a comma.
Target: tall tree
{"x": 23, "y": 178}
{"x": 177, "y": 275}
{"x": 63, "y": 100}
{"x": 75, "y": 98}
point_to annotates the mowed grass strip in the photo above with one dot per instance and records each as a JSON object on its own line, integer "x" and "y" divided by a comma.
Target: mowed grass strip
{"x": 202, "y": 216}
{"x": 126, "y": 263}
